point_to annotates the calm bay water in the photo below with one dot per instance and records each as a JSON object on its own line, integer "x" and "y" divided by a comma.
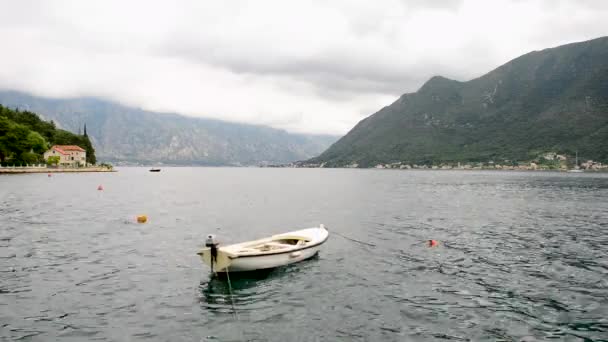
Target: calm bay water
{"x": 522, "y": 256}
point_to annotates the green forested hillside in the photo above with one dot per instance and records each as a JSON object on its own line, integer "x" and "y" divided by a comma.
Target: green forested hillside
{"x": 551, "y": 100}
{"x": 24, "y": 137}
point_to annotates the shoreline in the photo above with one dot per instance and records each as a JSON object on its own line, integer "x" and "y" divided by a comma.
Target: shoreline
{"x": 455, "y": 169}
{"x": 19, "y": 170}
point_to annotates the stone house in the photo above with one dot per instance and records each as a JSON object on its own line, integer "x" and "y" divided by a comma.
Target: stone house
{"x": 69, "y": 155}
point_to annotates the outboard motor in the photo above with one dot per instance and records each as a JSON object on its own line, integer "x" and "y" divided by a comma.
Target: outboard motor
{"x": 212, "y": 244}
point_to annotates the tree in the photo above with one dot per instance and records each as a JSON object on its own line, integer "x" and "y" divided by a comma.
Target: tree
{"x": 5, "y": 127}
{"x": 18, "y": 139}
{"x": 53, "y": 160}
{"x": 29, "y": 158}
{"x": 86, "y": 142}
{"x": 36, "y": 142}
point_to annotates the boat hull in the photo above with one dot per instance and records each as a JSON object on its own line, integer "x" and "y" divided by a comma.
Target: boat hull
{"x": 252, "y": 263}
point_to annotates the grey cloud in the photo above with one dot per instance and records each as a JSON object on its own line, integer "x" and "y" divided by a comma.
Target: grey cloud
{"x": 337, "y": 75}
{"x": 301, "y": 65}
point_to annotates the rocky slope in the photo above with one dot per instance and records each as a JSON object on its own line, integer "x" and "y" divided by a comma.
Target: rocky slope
{"x": 550, "y": 100}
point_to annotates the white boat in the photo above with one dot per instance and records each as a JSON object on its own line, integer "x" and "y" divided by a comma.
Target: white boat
{"x": 271, "y": 252}
{"x": 576, "y": 169}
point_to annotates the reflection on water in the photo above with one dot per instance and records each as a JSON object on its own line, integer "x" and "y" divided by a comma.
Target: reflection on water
{"x": 247, "y": 288}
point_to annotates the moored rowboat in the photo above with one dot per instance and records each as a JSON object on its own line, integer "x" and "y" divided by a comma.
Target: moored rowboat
{"x": 271, "y": 252}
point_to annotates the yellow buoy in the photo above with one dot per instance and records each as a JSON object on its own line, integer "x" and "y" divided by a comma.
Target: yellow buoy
{"x": 142, "y": 218}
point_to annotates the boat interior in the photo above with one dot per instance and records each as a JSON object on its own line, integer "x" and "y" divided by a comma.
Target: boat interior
{"x": 273, "y": 245}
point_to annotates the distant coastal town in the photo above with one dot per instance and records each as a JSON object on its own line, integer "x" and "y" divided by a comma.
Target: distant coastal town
{"x": 544, "y": 162}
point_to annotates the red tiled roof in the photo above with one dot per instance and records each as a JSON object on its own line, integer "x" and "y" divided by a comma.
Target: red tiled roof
{"x": 63, "y": 148}
{"x": 58, "y": 150}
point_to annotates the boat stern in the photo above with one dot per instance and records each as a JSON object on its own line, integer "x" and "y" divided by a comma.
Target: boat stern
{"x": 217, "y": 264}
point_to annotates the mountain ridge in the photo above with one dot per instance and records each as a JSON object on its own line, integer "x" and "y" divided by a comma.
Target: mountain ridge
{"x": 125, "y": 134}
{"x": 555, "y": 99}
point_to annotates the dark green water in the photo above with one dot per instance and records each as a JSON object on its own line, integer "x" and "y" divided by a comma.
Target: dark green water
{"x": 522, "y": 256}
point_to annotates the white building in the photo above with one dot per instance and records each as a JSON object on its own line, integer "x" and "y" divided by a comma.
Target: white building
{"x": 69, "y": 155}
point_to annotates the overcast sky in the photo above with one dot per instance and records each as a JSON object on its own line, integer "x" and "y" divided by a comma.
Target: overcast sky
{"x": 304, "y": 66}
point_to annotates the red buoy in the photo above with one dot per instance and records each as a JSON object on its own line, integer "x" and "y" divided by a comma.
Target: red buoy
{"x": 49, "y": 175}
{"x": 100, "y": 187}
{"x": 433, "y": 243}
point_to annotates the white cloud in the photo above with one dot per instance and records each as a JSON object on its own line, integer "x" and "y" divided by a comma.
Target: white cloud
{"x": 309, "y": 66}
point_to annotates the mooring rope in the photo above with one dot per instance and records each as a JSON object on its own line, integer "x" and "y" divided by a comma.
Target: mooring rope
{"x": 354, "y": 240}
{"x": 231, "y": 296}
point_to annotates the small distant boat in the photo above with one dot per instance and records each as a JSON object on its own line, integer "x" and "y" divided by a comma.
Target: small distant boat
{"x": 576, "y": 167}
{"x": 271, "y": 252}
{"x": 154, "y": 170}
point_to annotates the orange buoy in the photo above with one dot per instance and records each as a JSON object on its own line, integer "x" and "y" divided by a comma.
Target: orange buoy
{"x": 100, "y": 187}
{"x": 433, "y": 243}
{"x": 142, "y": 218}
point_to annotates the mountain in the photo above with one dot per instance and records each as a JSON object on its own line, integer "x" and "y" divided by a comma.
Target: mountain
{"x": 125, "y": 134}
{"x": 551, "y": 100}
